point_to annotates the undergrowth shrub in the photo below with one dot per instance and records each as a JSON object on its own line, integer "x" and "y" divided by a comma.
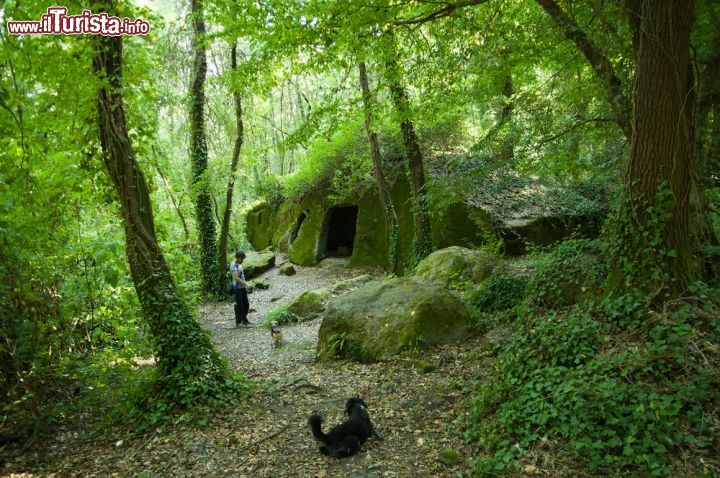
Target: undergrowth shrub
{"x": 340, "y": 163}
{"x": 573, "y": 271}
{"x": 281, "y": 315}
{"x": 625, "y": 396}
{"x": 341, "y": 346}
{"x": 500, "y": 292}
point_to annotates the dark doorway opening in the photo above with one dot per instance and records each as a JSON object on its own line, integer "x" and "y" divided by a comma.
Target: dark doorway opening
{"x": 296, "y": 227}
{"x": 341, "y": 228}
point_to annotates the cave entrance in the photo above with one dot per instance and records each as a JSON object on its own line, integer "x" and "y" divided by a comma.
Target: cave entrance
{"x": 341, "y": 228}
{"x": 296, "y": 227}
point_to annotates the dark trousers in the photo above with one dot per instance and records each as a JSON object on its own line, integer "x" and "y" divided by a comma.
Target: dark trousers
{"x": 242, "y": 305}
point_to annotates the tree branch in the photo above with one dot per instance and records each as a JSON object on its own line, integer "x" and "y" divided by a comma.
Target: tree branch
{"x": 619, "y": 102}
{"x": 440, "y": 13}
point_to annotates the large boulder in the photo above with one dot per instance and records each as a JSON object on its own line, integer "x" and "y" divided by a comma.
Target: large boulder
{"x": 311, "y": 304}
{"x": 545, "y": 230}
{"x": 350, "y": 284}
{"x": 455, "y": 266}
{"x": 383, "y": 318}
{"x": 258, "y": 262}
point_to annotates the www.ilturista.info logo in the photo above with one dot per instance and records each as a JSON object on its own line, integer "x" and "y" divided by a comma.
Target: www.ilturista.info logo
{"x": 57, "y": 22}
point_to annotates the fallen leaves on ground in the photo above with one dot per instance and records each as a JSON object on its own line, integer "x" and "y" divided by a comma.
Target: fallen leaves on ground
{"x": 416, "y": 411}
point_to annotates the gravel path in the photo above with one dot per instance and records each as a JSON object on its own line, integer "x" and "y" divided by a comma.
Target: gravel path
{"x": 415, "y": 400}
{"x": 249, "y": 349}
{"x": 415, "y": 410}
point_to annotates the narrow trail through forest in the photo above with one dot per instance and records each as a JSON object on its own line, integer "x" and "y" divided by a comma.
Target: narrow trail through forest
{"x": 414, "y": 400}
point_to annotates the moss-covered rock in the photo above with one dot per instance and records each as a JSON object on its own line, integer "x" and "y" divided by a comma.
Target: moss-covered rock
{"x": 257, "y": 262}
{"x": 304, "y": 247}
{"x": 545, "y": 230}
{"x": 458, "y": 224}
{"x": 449, "y": 457}
{"x": 312, "y": 303}
{"x": 260, "y": 284}
{"x": 259, "y": 226}
{"x": 281, "y": 315}
{"x": 383, "y": 318}
{"x": 286, "y": 270}
{"x": 506, "y": 207}
{"x": 455, "y": 266}
{"x": 350, "y": 284}
{"x": 309, "y": 304}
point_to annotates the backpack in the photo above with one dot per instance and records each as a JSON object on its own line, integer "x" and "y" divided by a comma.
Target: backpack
{"x": 230, "y": 287}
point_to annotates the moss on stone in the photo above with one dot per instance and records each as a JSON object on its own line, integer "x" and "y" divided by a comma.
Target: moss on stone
{"x": 259, "y": 225}
{"x": 383, "y": 318}
{"x": 286, "y": 270}
{"x": 352, "y": 283}
{"x": 456, "y": 267}
{"x": 260, "y": 284}
{"x": 449, "y": 457}
{"x": 309, "y": 304}
{"x": 422, "y": 366}
{"x": 303, "y": 249}
{"x": 281, "y": 315}
{"x": 257, "y": 262}
{"x": 458, "y": 224}
{"x": 370, "y": 247}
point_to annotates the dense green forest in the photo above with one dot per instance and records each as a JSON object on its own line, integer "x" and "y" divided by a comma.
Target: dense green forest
{"x": 532, "y": 186}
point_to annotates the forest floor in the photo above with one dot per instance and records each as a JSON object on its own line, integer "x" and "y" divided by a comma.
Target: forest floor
{"x": 416, "y": 401}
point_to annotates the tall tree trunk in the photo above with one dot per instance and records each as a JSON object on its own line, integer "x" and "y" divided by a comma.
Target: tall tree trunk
{"x": 423, "y": 239}
{"x": 189, "y": 368}
{"x": 199, "y": 156}
{"x": 391, "y": 221}
{"x": 239, "y": 136}
{"x": 660, "y": 155}
{"x": 507, "y": 153}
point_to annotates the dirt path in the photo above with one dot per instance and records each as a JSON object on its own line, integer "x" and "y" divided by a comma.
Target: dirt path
{"x": 248, "y": 349}
{"x": 415, "y": 401}
{"x": 411, "y": 407}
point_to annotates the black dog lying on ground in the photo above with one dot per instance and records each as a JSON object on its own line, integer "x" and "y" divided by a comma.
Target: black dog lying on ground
{"x": 345, "y": 439}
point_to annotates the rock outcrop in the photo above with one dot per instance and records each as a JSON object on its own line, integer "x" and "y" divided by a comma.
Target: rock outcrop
{"x": 383, "y": 318}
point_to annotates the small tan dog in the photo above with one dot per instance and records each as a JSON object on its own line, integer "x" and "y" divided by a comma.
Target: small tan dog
{"x": 276, "y": 334}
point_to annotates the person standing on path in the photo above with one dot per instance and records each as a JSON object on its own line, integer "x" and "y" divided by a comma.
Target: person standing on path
{"x": 242, "y": 304}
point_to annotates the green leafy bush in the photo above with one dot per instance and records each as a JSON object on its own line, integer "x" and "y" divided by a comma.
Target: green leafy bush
{"x": 500, "y": 292}
{"x": 281, "y": 315}
{"x": 620, "y": 398}
{"x": 341, "y": 346}
{"x": 573, "y": 271}
{"x": 339, "y": 164}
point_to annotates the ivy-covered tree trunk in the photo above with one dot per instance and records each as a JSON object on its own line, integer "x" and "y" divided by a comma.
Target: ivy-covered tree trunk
{"x": 653, "y": 243}
{"x": 189, "y": 368}
{"x": 423, "y": 237}
{"x": 391, "y": 221}
{"x": 199, "y": 157}
{"x": 507, "y": 152}
{"x": 239, "y": 136}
